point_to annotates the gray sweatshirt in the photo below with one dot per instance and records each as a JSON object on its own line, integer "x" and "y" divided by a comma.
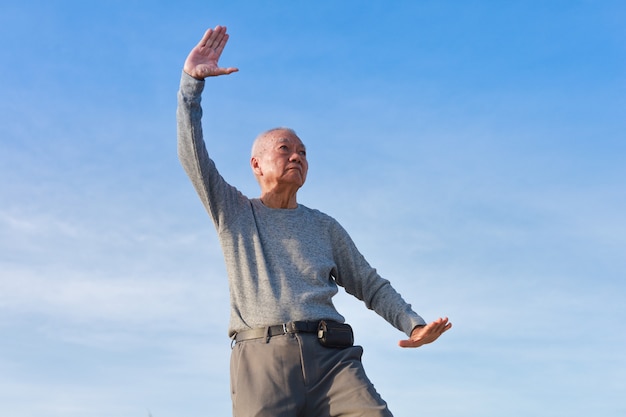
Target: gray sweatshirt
{"x": 283, "y": 264}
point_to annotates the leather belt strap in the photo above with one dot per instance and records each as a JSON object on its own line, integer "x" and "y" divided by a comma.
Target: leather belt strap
{"x": 280, "y": 329}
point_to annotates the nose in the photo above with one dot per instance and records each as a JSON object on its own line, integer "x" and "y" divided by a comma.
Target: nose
{"x": 296, "y": 157}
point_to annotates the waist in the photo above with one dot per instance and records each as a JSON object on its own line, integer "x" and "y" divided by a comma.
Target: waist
{"x": 277, "y": 330}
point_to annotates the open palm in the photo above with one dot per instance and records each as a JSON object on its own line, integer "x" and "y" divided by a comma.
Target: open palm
{"x": 426, "y": 334}
{"x": 203, "y": 59}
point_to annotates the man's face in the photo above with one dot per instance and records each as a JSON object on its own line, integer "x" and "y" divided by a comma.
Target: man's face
{"x": 280, "y": 160}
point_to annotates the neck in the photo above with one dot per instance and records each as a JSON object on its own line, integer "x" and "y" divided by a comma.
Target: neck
{"x": 279, "y": 201}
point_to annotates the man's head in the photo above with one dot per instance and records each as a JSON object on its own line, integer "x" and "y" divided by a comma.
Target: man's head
{"x": 279, "y": 160}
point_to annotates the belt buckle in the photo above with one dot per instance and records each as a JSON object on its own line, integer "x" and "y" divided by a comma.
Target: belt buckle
{"x": 285, "y": 330}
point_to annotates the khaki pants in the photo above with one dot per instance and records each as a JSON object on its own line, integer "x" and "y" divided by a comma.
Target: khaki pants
{"x": 294, "y": 376}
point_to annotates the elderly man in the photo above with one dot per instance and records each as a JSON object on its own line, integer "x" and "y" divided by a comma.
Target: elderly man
{"x": 293, "y": 354}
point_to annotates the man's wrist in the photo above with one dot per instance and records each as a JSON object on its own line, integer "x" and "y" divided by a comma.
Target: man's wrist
{"x": 419, "y": 326}
{"x": 190, "y": 86}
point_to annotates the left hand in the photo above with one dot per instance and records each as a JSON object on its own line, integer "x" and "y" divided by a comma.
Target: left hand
{"x": 426, "y": 334}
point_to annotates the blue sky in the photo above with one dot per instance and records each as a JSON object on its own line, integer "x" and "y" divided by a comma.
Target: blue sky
{"x": 473, "y": 149}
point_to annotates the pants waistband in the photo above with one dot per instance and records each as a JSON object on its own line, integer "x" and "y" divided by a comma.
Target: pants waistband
{"x": 280, "y": 329}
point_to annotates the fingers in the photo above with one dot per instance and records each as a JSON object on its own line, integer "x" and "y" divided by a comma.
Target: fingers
{"x": 221, "y": 44}
{"x": 427, "y": 334}
{"x": 441, "y": 325}
{"x": 407, "y": 344}
{"x": 214, "y": 38}
{"x": 203, "y": 59}
{"x": 230, "y": 70}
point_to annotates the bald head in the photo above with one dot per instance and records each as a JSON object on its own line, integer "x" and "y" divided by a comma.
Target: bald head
{"x": 261, "y": 142}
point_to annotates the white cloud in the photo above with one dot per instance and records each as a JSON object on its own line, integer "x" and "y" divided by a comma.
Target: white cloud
{"x": 81, "y": 296}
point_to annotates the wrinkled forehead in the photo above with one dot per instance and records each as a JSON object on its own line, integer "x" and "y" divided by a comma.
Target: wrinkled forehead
{"x": 282, "y": 136}
{"x": 274, "y": 137}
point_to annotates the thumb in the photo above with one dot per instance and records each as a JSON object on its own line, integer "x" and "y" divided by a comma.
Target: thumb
{"x": 409, "y": 343}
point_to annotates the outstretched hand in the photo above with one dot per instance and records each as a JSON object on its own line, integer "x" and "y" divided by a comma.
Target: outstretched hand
{"x": 203, "y": 59}
{"x": 426, "y": 334}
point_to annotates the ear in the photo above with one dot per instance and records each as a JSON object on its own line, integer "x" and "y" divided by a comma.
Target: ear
{"x": 256, "y": 166}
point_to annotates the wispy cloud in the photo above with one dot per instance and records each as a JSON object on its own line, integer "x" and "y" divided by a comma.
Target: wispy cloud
{"x": 475, "y": 158}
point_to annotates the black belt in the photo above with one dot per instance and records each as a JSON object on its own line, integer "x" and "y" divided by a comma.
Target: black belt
{"x": 278, "y": 330}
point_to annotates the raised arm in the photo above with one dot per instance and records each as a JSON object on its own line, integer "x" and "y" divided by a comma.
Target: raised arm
{"x": 219, "y": 198}
{"x": 203, "y": 59}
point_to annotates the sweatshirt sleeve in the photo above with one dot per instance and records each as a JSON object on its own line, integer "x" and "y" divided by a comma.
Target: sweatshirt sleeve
{"x": 220, "y": 199}
{"x": 361, "y": 280}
